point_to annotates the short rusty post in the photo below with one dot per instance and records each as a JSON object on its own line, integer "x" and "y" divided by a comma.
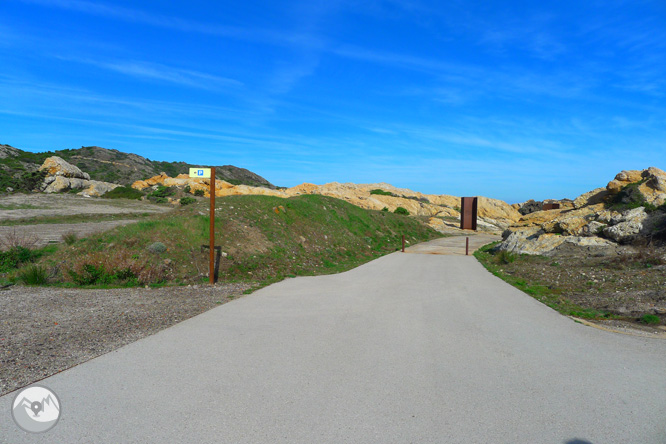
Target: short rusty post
{"x": 467, "y": 246}
{"x": 403, "y": 243}
{"x": 211, "y": 264}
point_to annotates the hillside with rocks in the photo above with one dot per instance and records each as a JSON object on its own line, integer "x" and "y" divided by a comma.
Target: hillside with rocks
{"x": 442, "y": 211}
{"x": 107, "y": 165}
{"x": 629, "y": 211}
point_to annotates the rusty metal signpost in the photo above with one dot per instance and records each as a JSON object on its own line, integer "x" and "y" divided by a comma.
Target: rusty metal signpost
{"x": 209, "y": 173}
{"x": 468, "y": 213}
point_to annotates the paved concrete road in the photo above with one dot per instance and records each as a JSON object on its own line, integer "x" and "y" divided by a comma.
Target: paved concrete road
{"x": 411, "y": 348}
{"x": 453, "y": 244}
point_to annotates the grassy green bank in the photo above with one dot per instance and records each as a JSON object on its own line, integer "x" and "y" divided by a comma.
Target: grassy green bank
{"x": 262, "y": 239}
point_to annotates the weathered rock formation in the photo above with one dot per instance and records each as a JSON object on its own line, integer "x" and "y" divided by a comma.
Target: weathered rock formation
{"x": 62, "y": 176}
{"x": 442, "y": 210}
{"x": 600, "y": 220}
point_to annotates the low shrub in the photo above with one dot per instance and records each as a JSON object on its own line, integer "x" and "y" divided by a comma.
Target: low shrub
{"x": 382, "y": 192}
{"x": 70, "y": 238}
{"x": 33, "y": 275}
{"x": 187, "y": 189}
{"x": 187, "y": 200}
{"x": 162, "y": 192}
{"x": 199, "y": 193}
{"x": 99, "y": 275}
{"x": 650, "y": 319}
{"x": 505, "y": 257}
{"x": 15, "y": 257}
{"x": 123, "y": 193}
{"x": 157, "y": 247}
{"x": 401, "y": 210}
{"x": 385, "y": 209}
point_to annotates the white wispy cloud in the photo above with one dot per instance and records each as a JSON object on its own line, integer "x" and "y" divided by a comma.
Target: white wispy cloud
{"x": 262, "y": 35}
{"x": 157, "y": 71}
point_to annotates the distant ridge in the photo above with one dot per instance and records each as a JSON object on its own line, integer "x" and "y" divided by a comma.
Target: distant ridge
{"x": 116, "y": 166}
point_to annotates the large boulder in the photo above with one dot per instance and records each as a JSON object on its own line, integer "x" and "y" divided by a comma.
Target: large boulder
{"x": 533, "y": 241}
{"x": 56, "y": 166}
{"x": 529, "y": 206}
{"x": 96, "y": 188}
{"x": 654, "y": 188}
{"x": 593, "y": 197}
{"x": 622, "y": 179}
{"x": 63, "y": 176}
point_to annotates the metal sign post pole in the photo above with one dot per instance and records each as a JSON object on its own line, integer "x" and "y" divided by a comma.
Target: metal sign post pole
{"x": 211, "y": 265}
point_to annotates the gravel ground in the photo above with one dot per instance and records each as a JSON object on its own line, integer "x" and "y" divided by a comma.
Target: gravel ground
{"x": 45, "y": 330}
{"x": 22, "y": 206}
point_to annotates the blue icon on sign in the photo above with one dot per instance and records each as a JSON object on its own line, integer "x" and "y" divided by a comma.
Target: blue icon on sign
{"x": 199, "y": 172}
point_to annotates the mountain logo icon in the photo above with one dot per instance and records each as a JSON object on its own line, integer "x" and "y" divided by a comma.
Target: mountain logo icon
{"x": 36, "y": 409}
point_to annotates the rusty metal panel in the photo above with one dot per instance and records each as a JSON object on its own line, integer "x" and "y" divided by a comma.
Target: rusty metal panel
{"x": 468, "y": 212}
{"x": 551, "y": 206}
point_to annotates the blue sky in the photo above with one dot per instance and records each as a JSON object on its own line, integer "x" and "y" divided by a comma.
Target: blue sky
{"x": 512, "y": 100}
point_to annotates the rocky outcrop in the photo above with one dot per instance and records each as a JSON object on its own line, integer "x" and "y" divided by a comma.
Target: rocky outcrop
{"x": 57, "y": 167}
{"x": 494, "y": 215}
{"x": 534, "y": 241}
{"x": 590, "y": 198}
{"x": 62, "y": 176}
{"x": 8, "y": 151}
{"x": 596, "y": 220}
{"x": 622, "y": 179}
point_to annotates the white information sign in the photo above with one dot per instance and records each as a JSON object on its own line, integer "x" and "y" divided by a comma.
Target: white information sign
{"x": 202, "y": 173}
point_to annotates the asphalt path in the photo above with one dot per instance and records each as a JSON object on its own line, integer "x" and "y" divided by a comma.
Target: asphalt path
{"x": 410, "y": 348}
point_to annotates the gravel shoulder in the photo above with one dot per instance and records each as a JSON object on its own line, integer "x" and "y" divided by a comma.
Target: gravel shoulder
{"x": 45, "y": 330}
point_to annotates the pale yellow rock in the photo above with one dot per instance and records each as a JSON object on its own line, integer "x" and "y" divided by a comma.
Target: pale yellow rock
{"x": 654, "y": 188}
{"x": 96, "y": 188}
{"x": 497, "y": 209}
{"x": 622, "y": 179}
{"x": 492, "y": 212}
{"x": 591, "y": 197}
{"x": 56, "y": 166}
{"x": 539, "y": 217}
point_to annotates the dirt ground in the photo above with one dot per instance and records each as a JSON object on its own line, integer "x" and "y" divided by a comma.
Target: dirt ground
{"x": 24, "y": 216}
{"x": 628, "y": 285}
{"x": 36, "y": 205}
{"x": 45, "y": 330}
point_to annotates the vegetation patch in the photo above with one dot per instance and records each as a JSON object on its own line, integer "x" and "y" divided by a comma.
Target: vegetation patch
{"x": 381, "y": 192}
{"x": 629, "y": 198}
{"x": 620, "y": 287}
{"x": 312, "y": 235}
{"x": 123, "y": 193}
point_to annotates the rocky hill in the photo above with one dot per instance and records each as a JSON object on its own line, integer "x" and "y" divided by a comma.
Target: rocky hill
{"x": 630, "y": 210}
{"x": 106, "y": 165}
{"x": 442, "y": 211}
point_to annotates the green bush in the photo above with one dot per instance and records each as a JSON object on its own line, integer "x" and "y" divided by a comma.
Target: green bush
{"x": 505, "y": 257}
{"x": 157, "y": 247}
{"x": 70, "y": 238}
{"x": 98, "y": 275}
{"x": 14, "y": 257}
{"x": 160, "y": 200}
{"x": 199, "y": 193}
{"x": 650, "y": 319}
{"x": 162, "y": 191}
{"x": 187, "y": 200}
{"x": 25, "y": 181}
{"x": 385, "y": 209}
{"x": 401, "y": 210}
{"x": 629, "y": 198}
{"x": 123, "y": 193}
{"x": 382, "y": 192}
{"x": 33, "y": 275}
